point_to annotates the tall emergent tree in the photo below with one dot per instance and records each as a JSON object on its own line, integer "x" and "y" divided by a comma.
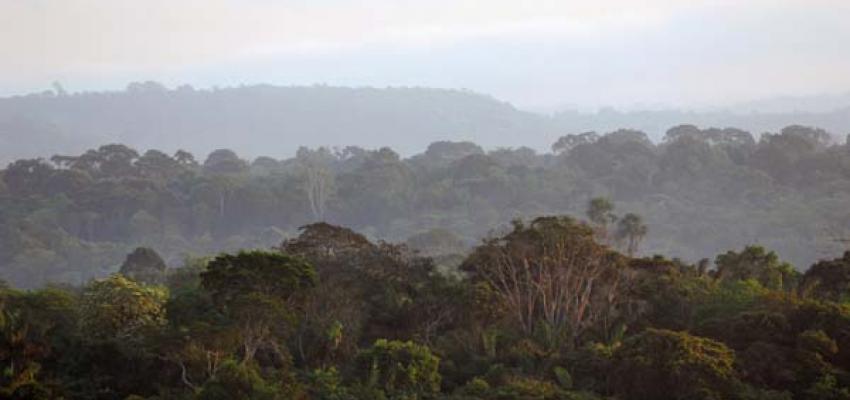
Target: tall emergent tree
{"x": 316, "y": 166}
{"x": 121, "y": 310}
{"x": 551, "y": 270}
{"x": 258, "y": 291}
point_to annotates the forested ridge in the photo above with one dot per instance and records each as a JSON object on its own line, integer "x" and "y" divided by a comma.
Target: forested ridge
{"x": 269, "y": 120}
{"x": 260, "y": 119}
{"x": 69, "y": 218}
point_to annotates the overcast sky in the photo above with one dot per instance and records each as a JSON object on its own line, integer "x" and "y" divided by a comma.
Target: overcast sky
{"x": 536, "y": 54}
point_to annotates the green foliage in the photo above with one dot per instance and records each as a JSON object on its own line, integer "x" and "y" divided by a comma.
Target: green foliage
{"x": 258, "y": 290}
{"x": 238, "y": 381}
{"x": 118, "y": 309}
{"x": 326, "y": 384}
{"x": 728, "y": 299}
{"x": 36, "y": 329}
{"x": 518, "y": 388}
{"x": 829, "y": 280}
{"x": 262, "y": 325}
{"x": 817, "y": 342}
{"x": 528, "y": 388}
{"x": 827, "y": 389}
{"x": 475, "y": 388}
{"x": 270, "y": 274}
{"x": 76, "y": 217}
{"x": 399, "y": 368}
{"x": 756, "y": 263}
{"x": 662, "y": 364}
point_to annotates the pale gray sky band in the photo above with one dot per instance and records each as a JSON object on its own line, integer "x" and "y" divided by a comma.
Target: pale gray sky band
{"x": 536, "y": 54}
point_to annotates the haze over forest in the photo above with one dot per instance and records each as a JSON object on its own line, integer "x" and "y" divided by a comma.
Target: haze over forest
{"x": 425, "y": 200}
{"x": 265, "y": 120}
{"x": 454, "y": 160}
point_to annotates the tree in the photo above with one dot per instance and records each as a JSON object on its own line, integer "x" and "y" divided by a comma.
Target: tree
{"x": 379, "y": 189}
{"x": 119, "y": 310}
{"x": 224, "y": 162}
{"x": 158, "y": 166}
{"x": 108, "y": 161}
{"x": 443, "y": 153}
{"x": 682, "y": 131}
{"x": 755, "y": 262}
{"x": 27, "y": 177}
{"x": 199, "y": 338}
{"x": 780, "y": 154}
{"x": 144, "y": 265}
{"x": 828, "y": 280}
{"x": 317, "y": 169}
{"x": 324, "y": 244}
{"x": 69, "y": 182}
{"x": 661, "y": 364}
{"x": 631, "y": 229}
{"x": 36, "y": 328}
{"x": 326, "y": 384}
{"x": 622, "y": 136}
{"x": 828, "y": 389}
{"x": 237, "y": 381}
{"x": 186, "y": 159}
{"x": 517, "y": 157}
{"x": 569, "y": 142}
{"x": 265, "y": 166}
{"x": 600, "y": 212}
{"x": 400, "y": 369}
{"x": 552, "y": 271}
{"x": 689, "y": 158}
{"x": 257, "y": 290}
{"x": 367, "y": 291}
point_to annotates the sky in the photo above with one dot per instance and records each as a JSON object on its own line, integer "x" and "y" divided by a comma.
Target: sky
{"x": 539, "y": 55}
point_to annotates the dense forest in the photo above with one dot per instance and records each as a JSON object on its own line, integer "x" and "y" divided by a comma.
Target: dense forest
{"x": 544, "y": 310}
{"x": 425, "y": 200}
{"x": 71, "y": 218}
{"x": 711, "y": 265}
{"x": 268, "y": 120}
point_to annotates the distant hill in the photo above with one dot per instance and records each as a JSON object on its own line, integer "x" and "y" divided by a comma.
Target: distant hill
{"x": 261, "y": 120}
{"x": 655, "y": 123}
{"x": 275, "y": 121}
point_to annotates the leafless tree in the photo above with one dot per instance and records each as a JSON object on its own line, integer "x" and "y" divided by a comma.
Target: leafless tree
{"x": 551, "y": 270}
{"x": 317, "y": 168}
